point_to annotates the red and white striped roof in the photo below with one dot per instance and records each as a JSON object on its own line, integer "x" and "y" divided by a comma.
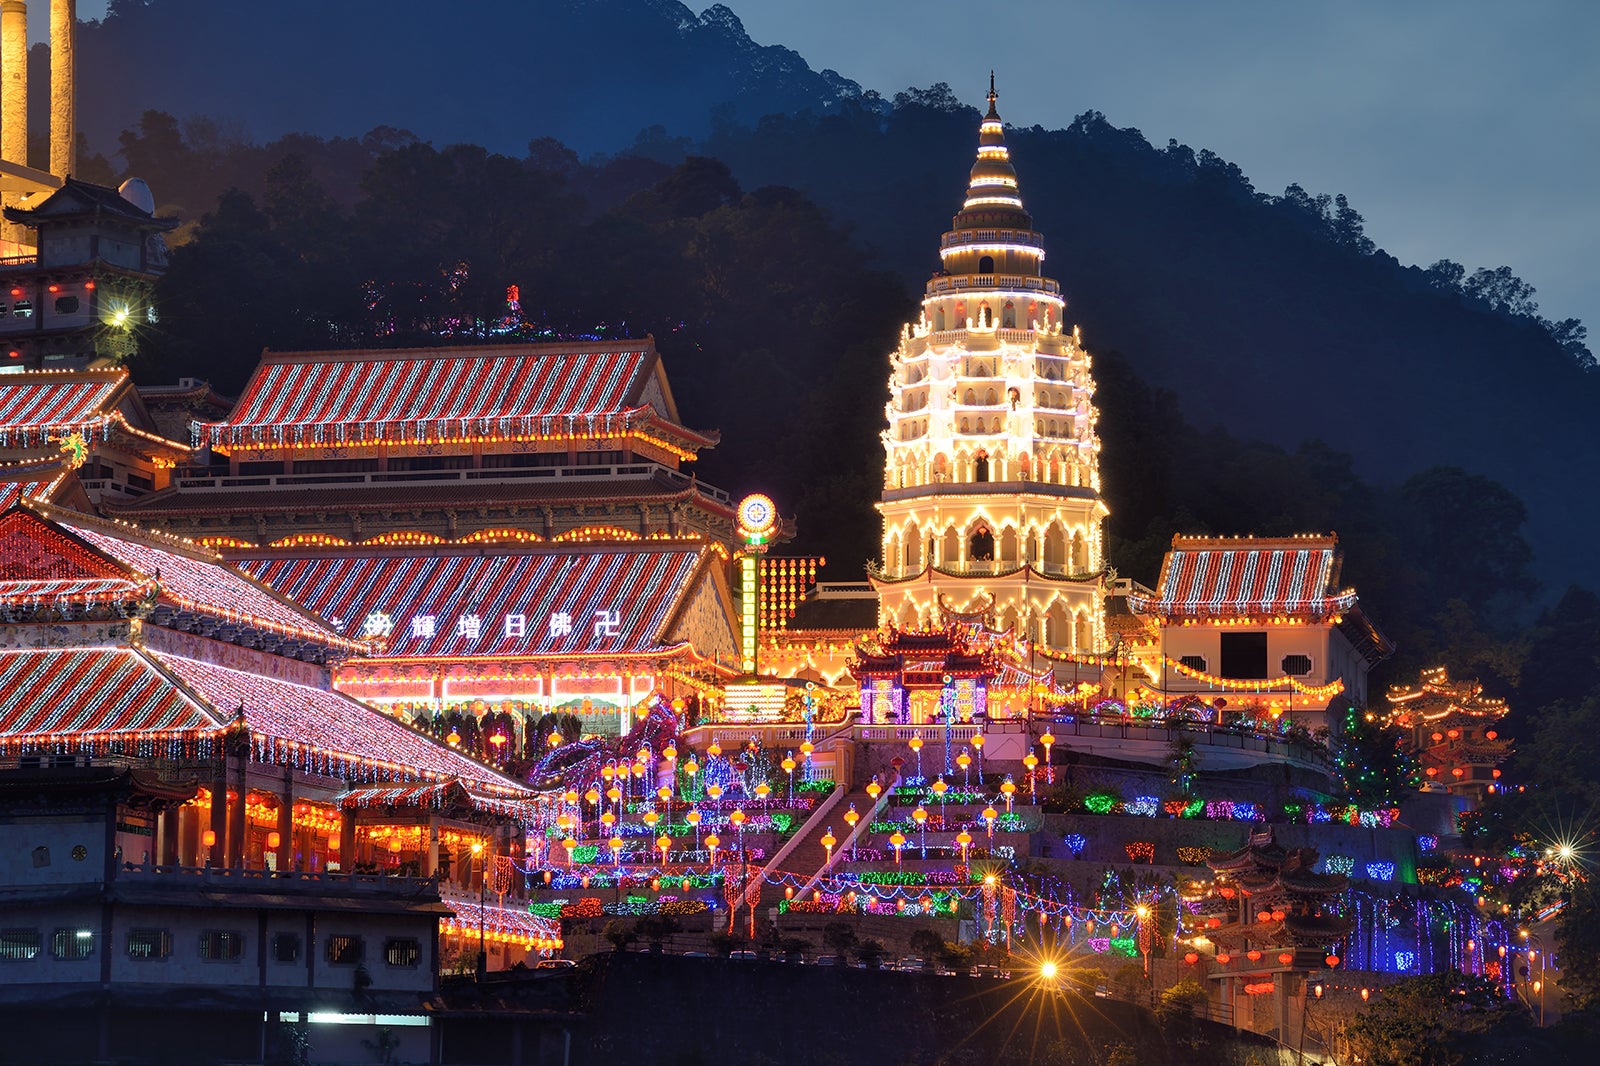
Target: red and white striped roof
{"x": 616, "y": 601}
{"x": 91, "y": 690}
{"x": 56, "y": 400}
{"x": 41, "y": 564}
{"x": 433, "y": 394}
{"x": 1252, "y": 576}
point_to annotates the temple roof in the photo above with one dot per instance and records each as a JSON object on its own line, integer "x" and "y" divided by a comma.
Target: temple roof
{"x": 129, "y": 698}
{"x": 439, "y": 795}
{"x": 37, "y": 406}
{"x": 85, "y": 199}
{"x": 539, "y": 601}
{"x": 67, "y": 560}
{"x": 992, "y": 196}
{"x": 422, "y": 395}
{"x": 1229, "y": 576}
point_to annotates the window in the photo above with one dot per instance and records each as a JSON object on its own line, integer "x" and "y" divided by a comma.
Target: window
{"x": 402, "y": 951}
{"x": 286, "y": 947}
{"x": 66, "y": 305}
{"x": 149, "y": 943}
{"x": 345, "y": 950}
{"x": 72, "y": 943}
{"x": 22, "y": 309}
{"x": 1297, "y": 665}
{"x": 1244, "y": 655}
{"x": 1194, "y": 662}
{"x": 222, "y": 945}
{"x": 980, "y": 468}
{"x": 980, "y": 548}
{"x": 986, "y": 265}
{"x": 597, "y": 459}
{"x": 260, "y": 467}
{"x": 17, "y": 945}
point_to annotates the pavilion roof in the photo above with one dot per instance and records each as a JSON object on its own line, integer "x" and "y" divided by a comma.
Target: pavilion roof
{"x": 439, "y": 795}
{"x": 423, "y": 395}
{"x": 38, "y": 405}
{"x": 1230, "y": 576}
{"x": 616, "y": 600}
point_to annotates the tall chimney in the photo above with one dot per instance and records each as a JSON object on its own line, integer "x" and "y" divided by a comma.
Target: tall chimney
{"x": 63, "y": 90}
{"x": 14, "y": 81}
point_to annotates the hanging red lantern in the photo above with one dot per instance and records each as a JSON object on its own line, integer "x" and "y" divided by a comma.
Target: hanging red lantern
{"x": 1191, "y": 957}
{"x": 1332, "y": 961}
{"x": 1224, "y": 959}
{"x": 1285, "y": 957}
{"x": 1253, "y": 955}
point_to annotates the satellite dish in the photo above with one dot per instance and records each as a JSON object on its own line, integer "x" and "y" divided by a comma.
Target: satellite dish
{"x": 137, "y": 193}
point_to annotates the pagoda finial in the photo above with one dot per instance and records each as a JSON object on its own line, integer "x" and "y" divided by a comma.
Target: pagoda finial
{"x": 993, "y": 96}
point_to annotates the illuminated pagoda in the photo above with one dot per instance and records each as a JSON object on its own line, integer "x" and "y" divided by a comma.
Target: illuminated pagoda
{"x": 547, "y": 440}
{"x": 98, "y": 413}
{"x": 923, "y": 677}
{"x": 518, "y": 629}
{"x": 1452, "y": 727}
{"x": 147, "y": 650}
{"x": 1270, "y": 911}
{"x": 1256, "y": 623}
{"x": 991, "y": 497}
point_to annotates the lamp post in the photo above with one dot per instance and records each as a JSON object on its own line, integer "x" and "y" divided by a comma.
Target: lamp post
{"x": 1008, "y": 790}
{"x": 965, "y": 761}
{"x": 788, "y": 765}
{"x": 828, "y": 842}
{"x": 1142, "y": 913}
{"x": 483, "y": 886}
{"x": 977, "y": 746}
{"x": 920, "y": 816}
{"x": 851, "y": 817}
{"x": 989, "y": 815}
{"x": 1031, "y": 761}
{"x": 916, "y": 748}
{"x": 1049, "y": 769}
{"x": 963, "y": 841}
{"x": 897, "y": 841}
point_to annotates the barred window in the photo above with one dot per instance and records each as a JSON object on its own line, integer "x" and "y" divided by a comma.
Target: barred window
{"x": 222, "y": 945}
{"x": 149, "y": 943}
{"x": 1297, "y": 665}
{"x": 1194, "y": 662}
{"x": 402, "y": 951}
{"x": 17, "y": 945}
{"x": 286, "y": 947}
{"x": 345, "y": 950}
{"x": 72, "y": 943}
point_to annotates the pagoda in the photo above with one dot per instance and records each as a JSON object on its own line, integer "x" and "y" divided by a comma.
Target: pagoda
{"x": 1451, "y": 728}
{"x": 991, "y": 496}
{"x": 1270, "y": 906}
{"x": 922, "y": 677}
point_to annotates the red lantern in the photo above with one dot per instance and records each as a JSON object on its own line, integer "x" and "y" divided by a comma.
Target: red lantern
{"x": 1285, "y": 957}
{"x": 1191, "y": 958}
{"x": 1332, "y": 961}
{"x": 1253, "y": 955}
{"x": 1491, "y": 735}
{"x": 1213, "y": 923}
{"x": 1277, "y": 916}
{"x": 1224, "y": 959}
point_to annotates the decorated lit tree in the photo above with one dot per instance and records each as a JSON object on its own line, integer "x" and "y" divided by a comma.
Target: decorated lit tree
{"x": 1374, "y": 767}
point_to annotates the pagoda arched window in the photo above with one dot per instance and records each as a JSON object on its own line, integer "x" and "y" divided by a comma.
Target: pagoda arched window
{"x": 980, "y": 547}
{"x": 950, "y": 550}
{"x": 986, "y": 316}
{"x": 1008, "y": 546}
{"x": 966, "y": 426}
{"x": 1008, "y": 315}
{"x": 986, "y": 265}
{"x": 913, "y": 547}
{"x": 1083, "y": 639}
{"x": 1055, "y": 546}
{"x": 938, "y": 318}
{"x": 980, "y": 467}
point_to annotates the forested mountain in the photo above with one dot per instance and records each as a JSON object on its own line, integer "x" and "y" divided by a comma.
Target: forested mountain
{"x": 1264, "y": 367}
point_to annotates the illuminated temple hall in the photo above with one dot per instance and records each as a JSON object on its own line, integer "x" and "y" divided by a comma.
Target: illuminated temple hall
{"x": 991, "y": 499}
{"x": 525, "y": 629}
{"x": 552, "y": 441}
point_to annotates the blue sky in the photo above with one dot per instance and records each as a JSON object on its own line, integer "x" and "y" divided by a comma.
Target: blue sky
{"x": 1460, "y": 129}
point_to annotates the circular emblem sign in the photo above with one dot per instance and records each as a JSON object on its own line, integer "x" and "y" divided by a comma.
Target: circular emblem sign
{"x": 757, "y": 516}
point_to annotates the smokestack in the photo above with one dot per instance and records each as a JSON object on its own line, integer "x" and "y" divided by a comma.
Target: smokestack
{"x": 63, "y": 90}
{"x": 14, "y": 81}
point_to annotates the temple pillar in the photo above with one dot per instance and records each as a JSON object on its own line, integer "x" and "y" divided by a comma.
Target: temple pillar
{"x": 214, "y": 855}
{"x": 168, "y": 829}
{"x": 347, "y": 840}
{"x": 287, "y": 859}
{"x": 430, "y": 859}
{"x": 14, "y": 82}
{"x": 63, "y": 91}
{"x": 237, "y": 824}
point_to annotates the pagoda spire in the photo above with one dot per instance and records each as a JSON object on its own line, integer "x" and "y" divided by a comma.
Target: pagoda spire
{"x": 992, "y": 196}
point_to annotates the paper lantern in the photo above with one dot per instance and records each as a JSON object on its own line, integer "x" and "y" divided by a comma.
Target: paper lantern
{"x": 1332, "y": 961}
{"x": 1191, "y": 958}
{"x": 1285, "y": 957}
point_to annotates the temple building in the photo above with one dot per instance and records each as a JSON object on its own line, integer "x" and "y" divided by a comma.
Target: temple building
{"x": 991, "y": 497}
{"x": 81, "y": 299}
{"x": 1257, "y": 624}
{"x": 551, "y": 441}
{"x": 494, "y": 626}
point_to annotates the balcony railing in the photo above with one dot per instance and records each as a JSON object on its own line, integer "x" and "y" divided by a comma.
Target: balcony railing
{"x": 298, "y": 482}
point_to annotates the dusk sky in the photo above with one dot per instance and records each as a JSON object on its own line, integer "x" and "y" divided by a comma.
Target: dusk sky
{"x": 1467, "y": 130}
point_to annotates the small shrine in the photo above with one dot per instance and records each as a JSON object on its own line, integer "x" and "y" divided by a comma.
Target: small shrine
{"x": 921, "y": 677}
{"x": 1451, "y": 727}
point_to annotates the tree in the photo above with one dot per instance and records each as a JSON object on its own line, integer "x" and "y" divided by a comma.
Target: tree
{"x": 1434, "y": 1020}
{"x": 871, "y": 953}
{"x": 926, "y": 942}
{"x": 1374, "y": 767}
{"x": 840, "y": 937}
{"x": 619, "y": 933}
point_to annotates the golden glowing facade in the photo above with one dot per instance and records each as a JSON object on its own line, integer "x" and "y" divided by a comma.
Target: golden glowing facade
{"x": 991, "y": 499}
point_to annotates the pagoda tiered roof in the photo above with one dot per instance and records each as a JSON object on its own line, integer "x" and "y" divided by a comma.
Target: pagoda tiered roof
{"x": 1438, "y": 701}
{"x": 923, "y": 657}
{"x": 419, "y": 396}
{"x": 1280, "y": 894}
